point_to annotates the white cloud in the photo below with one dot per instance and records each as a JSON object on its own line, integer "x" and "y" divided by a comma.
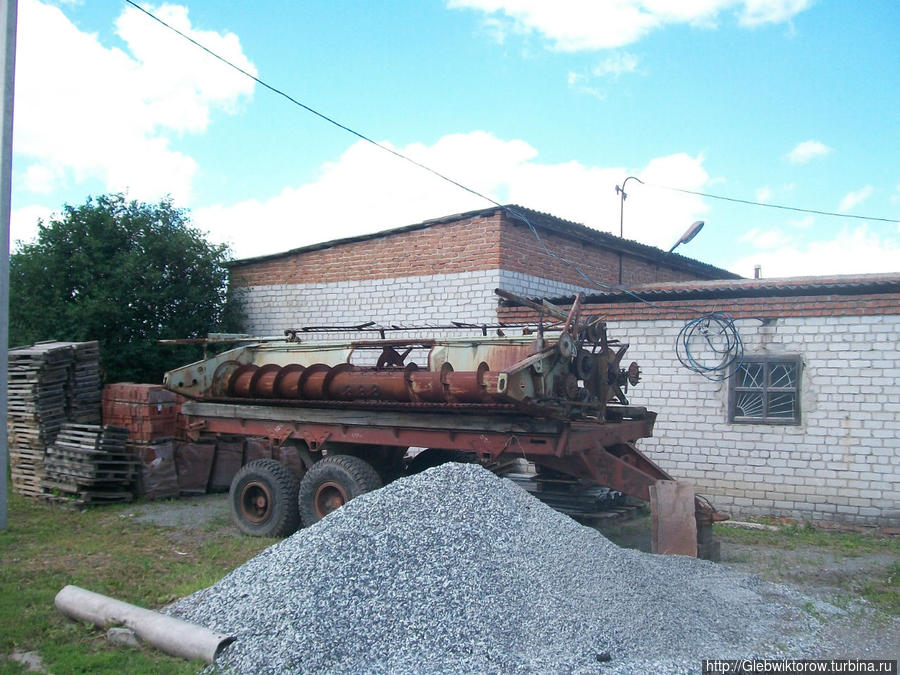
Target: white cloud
{"x": 855, "y": 198}
{"x": 495, "y": 29}
{"x": 579, "y": 83}
{"x": 40, "y": 178}
{"x": 575, "y": 25}
{"x": 764, "y": 194}
{"x": 759, "y": 12}
{"x": 616, "y": 65}
{"x": 612, "y": 67}
{"x": 856, "y": 251}
{"x": 807, "y": 150}
{"x": 366, "y": 190}
{"x": 23, "y": 223}
{"x": 162, "y": 86}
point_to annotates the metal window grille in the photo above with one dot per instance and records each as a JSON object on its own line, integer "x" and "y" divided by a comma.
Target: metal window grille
{"x": 766, "y": 390}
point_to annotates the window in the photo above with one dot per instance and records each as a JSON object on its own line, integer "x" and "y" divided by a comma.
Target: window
{"x": 766, "y": 390}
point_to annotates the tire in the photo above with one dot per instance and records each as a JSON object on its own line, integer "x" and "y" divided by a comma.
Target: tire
{"x": 432, "y": 457}
{"x": 263, "y": 498}
{"x": 332, "y": 482}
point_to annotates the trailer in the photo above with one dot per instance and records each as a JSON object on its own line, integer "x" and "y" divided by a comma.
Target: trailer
{"x": 554, "y": 396}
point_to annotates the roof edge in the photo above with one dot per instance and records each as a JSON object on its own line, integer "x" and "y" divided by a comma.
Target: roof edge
{"x": 363, "y": 237}
{"x": 784, "y": 287}
{"x": 538, "y": 219}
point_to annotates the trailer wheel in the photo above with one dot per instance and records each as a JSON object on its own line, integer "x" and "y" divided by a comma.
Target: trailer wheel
{"x": 263, "y": 499}
{"x": 432, "y": 457}
{"x": 332, "y": 482}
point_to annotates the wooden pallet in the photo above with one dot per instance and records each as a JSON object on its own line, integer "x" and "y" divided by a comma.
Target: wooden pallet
{"x": 75, "y": 495}
{"x": 90, "y": 464}
{"x": 48, "y": 384}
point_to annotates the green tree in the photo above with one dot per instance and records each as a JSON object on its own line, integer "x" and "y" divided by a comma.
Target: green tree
{"x": 127, "y": 274}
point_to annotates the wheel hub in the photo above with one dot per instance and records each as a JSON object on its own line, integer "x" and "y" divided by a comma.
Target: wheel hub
{"x": 256, "y": 502}
{"x": 329, "y": 497}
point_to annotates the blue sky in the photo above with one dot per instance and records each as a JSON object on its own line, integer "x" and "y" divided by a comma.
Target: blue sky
{"x": 548, "y": 105}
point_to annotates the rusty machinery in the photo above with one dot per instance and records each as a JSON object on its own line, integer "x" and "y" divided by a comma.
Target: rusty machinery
{"x": 576, "y": 373}
{"x": 555, "y": 396}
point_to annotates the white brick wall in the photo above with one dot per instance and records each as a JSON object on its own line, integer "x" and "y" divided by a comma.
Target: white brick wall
{"x": 408, "y": 300}
{"x": 438, "y": 298}
{"x": 531, "y": 286}
{"x": 842, "y": 463}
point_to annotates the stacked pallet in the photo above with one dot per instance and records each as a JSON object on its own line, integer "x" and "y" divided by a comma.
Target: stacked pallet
{"x": 83, "y": 385}
{"x": 90, "y": 464}
{"x": 148, "y": 411}
{"x": 36, "y": 409}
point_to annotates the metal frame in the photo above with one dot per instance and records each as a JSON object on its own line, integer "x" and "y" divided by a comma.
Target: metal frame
{"x": 766, "y": 360}
{"x": 604, "y": 453}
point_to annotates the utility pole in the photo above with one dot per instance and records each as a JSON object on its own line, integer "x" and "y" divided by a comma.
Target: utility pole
{"x": 8, "y": 70}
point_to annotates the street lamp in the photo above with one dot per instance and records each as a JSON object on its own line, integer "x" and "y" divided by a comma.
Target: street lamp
{"x": 621, "y": 191}
{"x": 689, "y": 234}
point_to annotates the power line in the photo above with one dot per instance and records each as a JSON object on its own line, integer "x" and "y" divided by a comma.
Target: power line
{"x": 310, "y": 109}
{"x": 514, "y": 214}
{"x": 330, "y": 120}
{"x": 468, "y": 189}
{"x": 774, "y": 206}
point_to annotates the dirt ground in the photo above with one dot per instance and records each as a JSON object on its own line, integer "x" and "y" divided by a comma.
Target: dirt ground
{"x": 833, "y": 580}
{"x": 854, "y": 630}
{"x": 194, "y": 513}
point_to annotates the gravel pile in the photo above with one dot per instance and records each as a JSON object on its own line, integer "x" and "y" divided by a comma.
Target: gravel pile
{"x": 457, "y": 570}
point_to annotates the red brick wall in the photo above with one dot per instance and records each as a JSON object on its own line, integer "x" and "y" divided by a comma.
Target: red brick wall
{"x": 738, "y": 308}
{"x": 472, "y": 244}
{"x": 444, "y": 248}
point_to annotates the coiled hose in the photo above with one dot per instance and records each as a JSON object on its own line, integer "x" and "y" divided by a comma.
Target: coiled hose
{"x": 711, "y": 346}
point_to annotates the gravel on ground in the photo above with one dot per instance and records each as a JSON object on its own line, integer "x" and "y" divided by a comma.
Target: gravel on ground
{"x": 457, "y": 570}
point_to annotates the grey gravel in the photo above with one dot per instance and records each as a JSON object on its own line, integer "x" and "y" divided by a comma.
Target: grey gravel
{"x": 456, "y": 570}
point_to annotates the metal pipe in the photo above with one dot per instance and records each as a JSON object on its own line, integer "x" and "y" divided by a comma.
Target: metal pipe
{"x": 621, "y": 191}
{"x": 346, "y": 382}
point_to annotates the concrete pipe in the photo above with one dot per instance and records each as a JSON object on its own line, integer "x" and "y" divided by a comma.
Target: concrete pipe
{"x": 166, "y": 633}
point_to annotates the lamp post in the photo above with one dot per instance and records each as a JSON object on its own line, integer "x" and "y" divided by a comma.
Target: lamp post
{"x": 689, "y": 234}
{"x": 621, "y": 191}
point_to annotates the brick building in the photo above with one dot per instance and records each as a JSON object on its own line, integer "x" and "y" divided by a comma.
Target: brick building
{"x": 807, "y": 429}
{"x": 444, "y": 269}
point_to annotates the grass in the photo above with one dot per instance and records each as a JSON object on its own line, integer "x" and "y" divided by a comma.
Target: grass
{"x": 884, "y": 592}
{"x": 878, "y": 584}
{"x": 796, "y": 535}
{"x": 47, "y": 547}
